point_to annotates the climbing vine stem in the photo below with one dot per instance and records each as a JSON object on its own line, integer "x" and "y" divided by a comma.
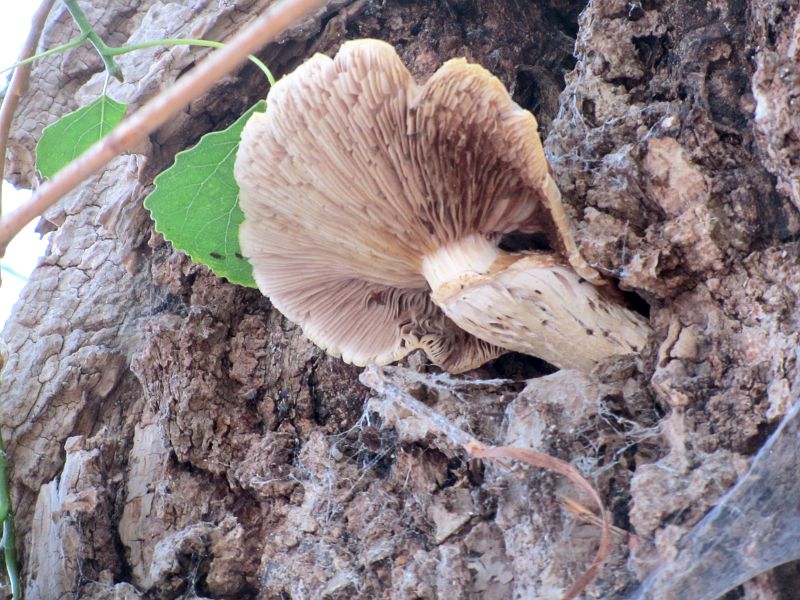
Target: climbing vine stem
{"x": 186, "y": 42}
{"x": 277, "y": 18}
{"x": 88, "y": 32}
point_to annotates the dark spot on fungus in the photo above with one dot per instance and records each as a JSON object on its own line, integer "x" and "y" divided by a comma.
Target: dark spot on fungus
{"x": 589, "y": 331}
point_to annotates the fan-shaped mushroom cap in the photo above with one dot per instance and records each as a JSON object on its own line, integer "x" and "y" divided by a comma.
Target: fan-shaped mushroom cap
{"x": 355, "y": 174}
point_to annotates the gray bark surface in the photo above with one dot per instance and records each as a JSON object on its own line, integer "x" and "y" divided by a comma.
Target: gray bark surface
{"x": 171, "y": 435}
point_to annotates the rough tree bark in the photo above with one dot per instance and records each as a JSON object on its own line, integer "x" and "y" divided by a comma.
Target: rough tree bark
{"x": 173, "y": 436}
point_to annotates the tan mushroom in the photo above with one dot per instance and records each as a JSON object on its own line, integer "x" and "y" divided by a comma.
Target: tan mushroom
{"x": 374, "y": 208}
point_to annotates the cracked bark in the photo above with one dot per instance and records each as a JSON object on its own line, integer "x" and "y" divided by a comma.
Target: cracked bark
{"x": 170, "y": 434}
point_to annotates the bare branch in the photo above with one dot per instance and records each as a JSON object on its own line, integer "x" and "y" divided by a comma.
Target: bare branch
{"x": 158, "y": 111}
{"x": 19, "y": 81}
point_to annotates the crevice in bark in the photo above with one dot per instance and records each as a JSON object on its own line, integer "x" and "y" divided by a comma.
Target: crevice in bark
{"x": 230, "y": 440}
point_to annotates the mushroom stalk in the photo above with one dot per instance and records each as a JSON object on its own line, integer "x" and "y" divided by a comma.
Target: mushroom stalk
{"x": 531, "y": 303}
{"x": 469, "y": 256}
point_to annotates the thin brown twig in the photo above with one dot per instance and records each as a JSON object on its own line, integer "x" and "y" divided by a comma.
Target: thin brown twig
{"x": 374, "y": 378}
{"x": 158, "y": 111}
{"x": 551, "y": 463}
{"x": 19, "y": 82}
{"x": 16, "y": 89}
{"x": 584, "y": 514}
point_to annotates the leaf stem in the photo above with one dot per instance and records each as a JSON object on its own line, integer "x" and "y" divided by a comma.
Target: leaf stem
{"x": 107, "y": 53}
{"x": 186, "y": 42}
{"x": 5, "y": 499}
{"x": 112, "y": 51}
{"x": 63, "y": 47}
{"x": 8, "y": 542}
{"x": 88, "y": 31}
{"x": 17, "y": 275}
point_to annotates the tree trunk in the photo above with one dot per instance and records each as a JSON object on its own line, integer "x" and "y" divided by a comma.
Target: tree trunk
{"x": 171, "y": 435}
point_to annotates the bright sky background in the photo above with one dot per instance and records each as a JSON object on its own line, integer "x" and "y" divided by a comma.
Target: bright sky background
{"x": 24, "y": 251}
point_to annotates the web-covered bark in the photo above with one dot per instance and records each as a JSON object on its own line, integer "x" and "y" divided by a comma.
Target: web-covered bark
{"x": 171, "y": 434}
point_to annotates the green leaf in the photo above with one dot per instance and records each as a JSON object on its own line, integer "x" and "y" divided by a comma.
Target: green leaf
{"x": 73, "y": 134}
{"x": 195, "y": 203}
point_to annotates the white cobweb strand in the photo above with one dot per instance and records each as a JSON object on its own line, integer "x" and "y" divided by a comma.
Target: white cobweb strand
{"x": 428, "y": 419}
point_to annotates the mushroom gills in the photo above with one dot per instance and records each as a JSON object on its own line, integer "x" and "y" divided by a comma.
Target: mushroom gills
{"x": 532, "y": 303}
{"x": 361, "y": 189}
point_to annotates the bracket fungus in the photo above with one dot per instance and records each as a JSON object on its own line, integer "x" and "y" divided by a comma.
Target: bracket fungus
{"x": 374, "y": 209}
